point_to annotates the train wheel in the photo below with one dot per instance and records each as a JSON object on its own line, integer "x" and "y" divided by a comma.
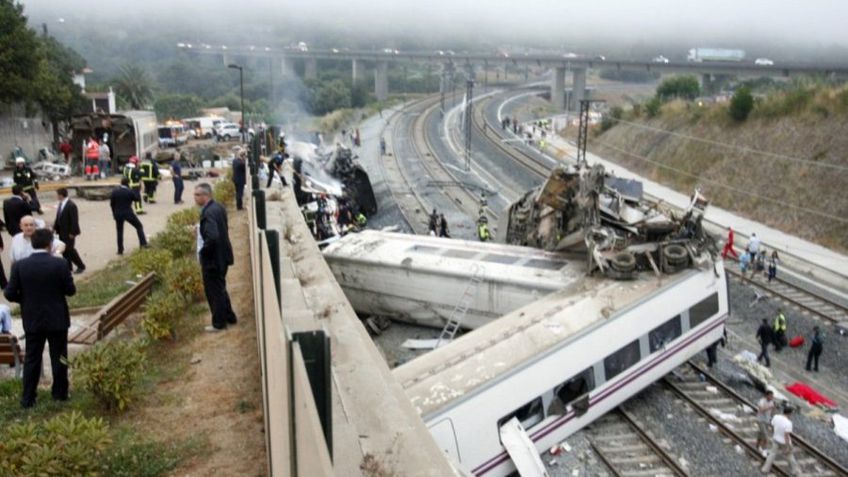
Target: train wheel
{"x": 623, "y": 262}
{"x": 676, "y": 254}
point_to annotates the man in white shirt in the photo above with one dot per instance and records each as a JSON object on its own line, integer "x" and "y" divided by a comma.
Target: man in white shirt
{"x": 5, "y": 319}
{"x": 765, "y": 410}
{"x": 754, "y": 245}
{"x": 782, "y": 441}
{"x": 22, "y": 242}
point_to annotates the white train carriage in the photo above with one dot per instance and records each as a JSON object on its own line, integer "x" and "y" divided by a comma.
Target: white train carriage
{"x": 420, "y": 279}
{"x": 563, "y": 361}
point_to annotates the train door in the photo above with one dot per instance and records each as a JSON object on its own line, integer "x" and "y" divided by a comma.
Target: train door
{"x": 445, "y": 437}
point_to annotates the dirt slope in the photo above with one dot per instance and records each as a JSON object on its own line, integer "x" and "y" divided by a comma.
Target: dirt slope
{"x": 732, "y": 177}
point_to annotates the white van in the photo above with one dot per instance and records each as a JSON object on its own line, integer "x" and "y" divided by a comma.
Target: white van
{"x": 203, "y": 127}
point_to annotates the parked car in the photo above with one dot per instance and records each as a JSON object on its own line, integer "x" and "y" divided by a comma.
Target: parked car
{"x": 660, "y": 59}
{"x": 763, "y": 62}
{"x": 227, "y": 131}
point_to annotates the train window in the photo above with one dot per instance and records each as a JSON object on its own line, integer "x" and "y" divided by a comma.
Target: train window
{"x": 703, "y": 310}
{"x": 529, "y": 414}
{"x": 665, "y": 333}
{"x": 570, "y": 392}
{"x": 621, "y": 360}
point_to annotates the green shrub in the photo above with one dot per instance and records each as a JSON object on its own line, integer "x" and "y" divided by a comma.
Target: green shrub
{"x": 66, "y": 445}
{"x": 184, "y": 218}
{"x": 683, "y": 87}
{"x": 183, "y": 277}
{"x": 162, "y": 311}
{"x": 178, "y": 240}
{"x": 611, "y": 118}
{"x": 146, "y": 260}
{"x": 652, "y": 107}
{"x": 224, "y": 192}
{"x": 110, "y": 370}
{"x": 741, "y": 104}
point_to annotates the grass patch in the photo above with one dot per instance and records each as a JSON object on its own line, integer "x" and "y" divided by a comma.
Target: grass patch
{"x": 134, "y": 456}
{"x": 103, "y": 285}
{"x": 11, "y": 411}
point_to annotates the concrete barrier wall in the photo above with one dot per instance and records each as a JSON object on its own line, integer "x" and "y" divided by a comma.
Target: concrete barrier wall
{"x": 17, "y": 129}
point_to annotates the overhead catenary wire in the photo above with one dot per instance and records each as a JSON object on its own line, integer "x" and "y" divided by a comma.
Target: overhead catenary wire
{"x": 746, "y": 149}
{"x": 725, "y": 186}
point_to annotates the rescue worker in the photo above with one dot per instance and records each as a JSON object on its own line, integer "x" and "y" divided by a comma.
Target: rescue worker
{"x": 92, "y": 157}
{"x": 779, "y": 330}
{"x": 150, "y": 177}
{"x": 361, "y": 220}
{"x": 382, "y": 146}
{"x": 433, "y": 222}
{"x": 26, "y": 178}
{"x": 133, "y": 175}
{"x": 483, "y": 229}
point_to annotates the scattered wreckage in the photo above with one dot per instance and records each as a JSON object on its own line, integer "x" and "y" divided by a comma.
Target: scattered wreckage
{"x": 585, "y": 209}
{"x": 333, "y": 191}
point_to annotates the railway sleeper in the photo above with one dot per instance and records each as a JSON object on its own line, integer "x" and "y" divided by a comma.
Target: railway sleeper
{"x": 648, "y": 458}
{"x": 640, "y": 447}
{"x": 647, "y": 473}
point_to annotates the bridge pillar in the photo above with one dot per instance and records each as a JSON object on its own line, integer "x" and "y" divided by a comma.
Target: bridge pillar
{"x": 287, "y": 67}
{"x": 579, "y": 87}
{"x": 356, "y": 70}
{"x": 558, "y": 88}
{"x": 226, "y": 57}
{"x": 381, "y": 80}
{"x": 310, "y": 70}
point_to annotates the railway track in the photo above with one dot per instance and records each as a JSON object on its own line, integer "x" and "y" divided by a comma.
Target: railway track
{"x": 628, "y": 451}
{"x": 804, "y": 300}
{"x": 735, "y": 418}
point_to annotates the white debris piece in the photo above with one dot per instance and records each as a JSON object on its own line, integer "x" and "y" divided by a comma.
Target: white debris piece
{"x": 713, "y": 427}
{"x": 575, "y": 473}
{"x": 420, "y": 344}
{"x": 738, "y": 449}
{"x": 723, "y": 416}
{"x": 840, "y": 426}
{"x": 712, "y": 389}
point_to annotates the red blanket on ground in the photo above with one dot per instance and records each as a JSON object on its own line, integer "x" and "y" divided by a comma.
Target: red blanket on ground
{"x": 810, "y": 395}
{"x": 796, "y": 342}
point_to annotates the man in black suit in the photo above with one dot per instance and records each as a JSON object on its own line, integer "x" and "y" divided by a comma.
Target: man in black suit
{"x": 216, "y": 255}
{"x": 15, "y": 208}
{"x": 121, "y": 202}
{"x": 239, "y": 178}
{"x": 67, "y": 228}
{"x": 40, "y": 284}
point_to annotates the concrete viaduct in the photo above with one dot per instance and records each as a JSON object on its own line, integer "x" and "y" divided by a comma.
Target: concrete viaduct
{"x": 577, "y": 65}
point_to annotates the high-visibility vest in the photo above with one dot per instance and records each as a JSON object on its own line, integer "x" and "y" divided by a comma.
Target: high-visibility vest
{"x": 133, "y": 174}
{"x": 483, "y": 232}
{"x": 780, "y": 323}
{"x": 92, "y": 151}
{"x": 361, "y": 219}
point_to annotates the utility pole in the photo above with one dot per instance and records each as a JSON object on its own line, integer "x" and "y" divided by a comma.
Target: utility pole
{"x": 241, "y": 91}
{"x": 583, "y": 130}
{"x": 469, "y": 92}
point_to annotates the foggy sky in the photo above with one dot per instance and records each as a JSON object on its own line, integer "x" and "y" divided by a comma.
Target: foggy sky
{"x": 710, "y": 22}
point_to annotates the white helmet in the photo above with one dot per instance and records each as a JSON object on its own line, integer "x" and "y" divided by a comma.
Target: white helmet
{"x": 20, "y": 160}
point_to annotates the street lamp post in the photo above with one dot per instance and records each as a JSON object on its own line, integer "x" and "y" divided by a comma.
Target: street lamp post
{"x": 241, "y": 91}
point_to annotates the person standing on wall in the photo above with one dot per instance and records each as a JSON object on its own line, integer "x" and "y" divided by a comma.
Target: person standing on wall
{"x": 24, "y": 177}
{"x": 240, "y": 177}
{"x": 133, "y": 176}
{"x": 92, "y": 156}
{"x": 104, "y": 161}
{"x": 67, "y": 228}
{"x": 121, "y": 202}
{"x": 215, "y": 255}
{"x": 40, "y": 284}
{"x": 177, "y": 177}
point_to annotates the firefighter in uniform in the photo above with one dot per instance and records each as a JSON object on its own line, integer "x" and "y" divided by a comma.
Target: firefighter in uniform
{"x": 133, "y": 173}
{"x": 24, "y": 177}
{"x": 150, "y": 177}
{"x": 483, "y": 229}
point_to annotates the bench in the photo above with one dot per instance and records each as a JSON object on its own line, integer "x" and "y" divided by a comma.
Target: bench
{"x": 114, "y": 313}
{"x": 11, "y": 353}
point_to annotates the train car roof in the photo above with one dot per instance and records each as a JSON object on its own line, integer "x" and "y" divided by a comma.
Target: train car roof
{"x": 448, "y": 256}
{"x": 435, "y": 379}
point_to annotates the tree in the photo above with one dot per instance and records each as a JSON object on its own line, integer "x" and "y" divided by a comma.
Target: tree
{"x": 683, "y": 87}
{"x": 172, "y": 106}
{"x": 741, "y": 104}
{"x": 134, "y": 87}
{"x": 652, "y": 107}
{"x": 19, "y": 55}
{"x": 326, "y": 96}
{"x": 55, "y": 91}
